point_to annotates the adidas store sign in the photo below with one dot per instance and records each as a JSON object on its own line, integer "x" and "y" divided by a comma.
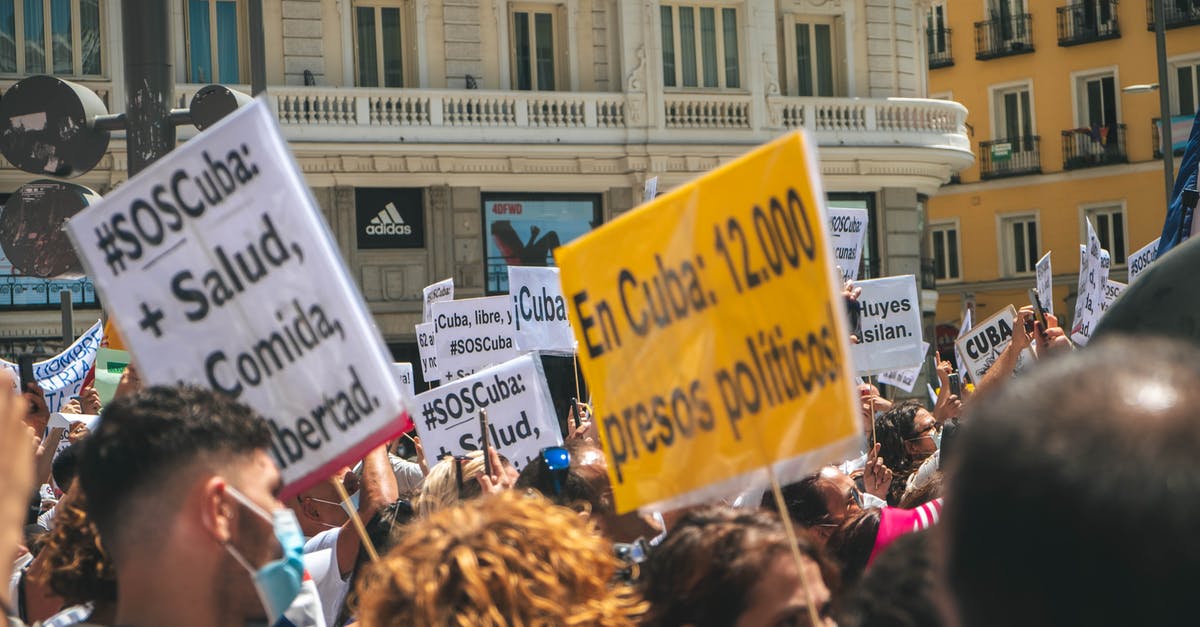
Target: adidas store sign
{"x": 388, "y": 222}
{"x": 390, "y": 217}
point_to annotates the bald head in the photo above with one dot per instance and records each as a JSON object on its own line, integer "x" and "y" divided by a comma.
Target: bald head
{"x": 1073, "y": 491}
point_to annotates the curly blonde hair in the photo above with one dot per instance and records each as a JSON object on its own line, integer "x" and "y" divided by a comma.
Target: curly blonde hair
{"x": 507, "y": 559}
{"x": 77, "y": 567}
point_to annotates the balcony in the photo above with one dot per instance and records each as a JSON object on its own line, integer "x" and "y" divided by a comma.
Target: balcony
{"x": 1004, "y": 37}
{"x": 1091, "y": 147}
{"x": 940, "y": 52}
{"x": 1181, "y": 126}
{"x": 1177, "y": 13}
{"x": 1002, "y": 158}
{"x": 1087, "y": 21}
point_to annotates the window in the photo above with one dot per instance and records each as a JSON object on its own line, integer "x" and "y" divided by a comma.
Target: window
{"x": 378, "y": 45}
{"x": 700, "y": 46}
{"x": 535, "y": 44}
{"x": 1097, "y": 99}
{"x": 935, "y": 29}
{"x": 816, "y": 69}
{"x": 945, "y": 251}
{"x": 61, "y": 37}
{"x": 1187, "y": 88}
{"x": 1020, "y": 245}
{"x": 1109, "y": 222}
{"x": 1014, "y": 117}
{"x": 215, "y": 40}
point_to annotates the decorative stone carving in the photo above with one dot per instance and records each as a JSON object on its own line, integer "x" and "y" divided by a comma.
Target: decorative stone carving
{"x": 635, "y": 82}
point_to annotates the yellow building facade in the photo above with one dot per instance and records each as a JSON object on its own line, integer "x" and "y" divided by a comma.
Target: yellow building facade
{"x": 1057, "y": 140}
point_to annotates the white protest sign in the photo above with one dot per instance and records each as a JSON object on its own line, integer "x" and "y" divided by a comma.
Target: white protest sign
{"x": 982, "y": 345}
{"x": 1090, "y": 289}
{"x": 436, "y": 293}
{"x": 1105, "y": 266}
{"x": 1139, "y": 261}
{"x": 427, "y": 350}
{"x": 847, "y": 228}
{"x": 891, "y": 325}
{"x": 520, "y": 413}
{"x": 540, "y": 311}
{"x": 907, "y": 378}
{"x": 472, "y": 334}
{"x": 64, "y": 421}
{"x": 1045, "y": 283}
{"x": 1112, "y": 289}
{"x": 651, "y": 189}
{"x": 61, "y": 376}
{"x": 932, "y": 394}
{"x": 404, "y": 375}
{"x": 219, "y": 270}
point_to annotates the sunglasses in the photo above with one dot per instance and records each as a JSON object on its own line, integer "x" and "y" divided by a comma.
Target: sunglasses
{"x": 459, "y": 460}
{"x": 557, "y": 461}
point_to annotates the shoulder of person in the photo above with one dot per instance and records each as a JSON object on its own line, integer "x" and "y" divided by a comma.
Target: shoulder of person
{"x": 325, "y": 540}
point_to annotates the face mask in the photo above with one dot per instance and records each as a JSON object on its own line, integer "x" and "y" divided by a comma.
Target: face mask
{"x": 936, "y": 436}
{"x": 277, "y": 582}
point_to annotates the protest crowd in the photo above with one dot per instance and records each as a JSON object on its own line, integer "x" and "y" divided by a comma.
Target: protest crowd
{"x": 1055, "y": 484}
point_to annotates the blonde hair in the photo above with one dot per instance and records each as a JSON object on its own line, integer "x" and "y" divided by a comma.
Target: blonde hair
{"x": 507, "y": 559}
{"x": 440, "y": 488}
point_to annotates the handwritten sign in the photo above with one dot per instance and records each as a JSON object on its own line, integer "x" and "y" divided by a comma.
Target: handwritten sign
{"x": 711, "y": 329}
{"x": 436, "y": 293}
{"x": 520, "y": 413}
{"x": 219, "y": 269}
{"x": 847, "y": 229}
{"x": 62, "y": 375}
{"x": 891, "y": 325}
{"x": 540, "y": 311}
{"x": 472, "y": 334}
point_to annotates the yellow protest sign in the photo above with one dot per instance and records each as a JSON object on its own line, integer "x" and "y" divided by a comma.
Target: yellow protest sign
{"x": 712, "y": 334}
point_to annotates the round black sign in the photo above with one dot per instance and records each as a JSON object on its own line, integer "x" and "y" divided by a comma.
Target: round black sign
{"x": 31, "y": 228}
{"x": 45, "y": 127}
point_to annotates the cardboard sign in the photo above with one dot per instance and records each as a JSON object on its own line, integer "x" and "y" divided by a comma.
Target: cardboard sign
{"x": 472, "y": 334}
{"x": 907, "y": 378}
{"x": 436, "y": 293}
{"x": 982, "y": 345}
{"x": 220, "y": 271}
{"x": 712, "y": 332}
{"x": 427, "y": 351}
{"x": 520, "y": 413}
{"x": 1139, "y": 261}
{"x": 540, "y": 311}
{"x": 1089, "y": 294}
{"x": 110, "y": 367}
{"x": 891, "y": 326}
{"x": 62, "y": 376}
{"x": 404, "y": 376}
{"x": 1045, "y": 283}
{"x": 1112, "y": 289}
{"x": 847, "y": 229}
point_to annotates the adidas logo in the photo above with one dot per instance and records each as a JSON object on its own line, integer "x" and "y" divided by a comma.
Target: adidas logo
{"x": 388, "y": 222}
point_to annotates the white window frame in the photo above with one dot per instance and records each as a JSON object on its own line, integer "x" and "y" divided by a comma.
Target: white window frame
{"x": 1090, "y": 210}
{"x": 1008, "y": 260}
{"x": 943, "y": 5}
{"x": 1174, "y": 64}
{"x": 558, "y": 28}
{"x": 837, "y": 54}
{"x": 47, "y": 38}
{"x": 997, "y": 91}
{"x": 943, "y": 226}
{"x": 408, "y": 47}
{"x": 243, "y": 39}
{"x": 1079, "y": 82}
{"x": 741, "y": 45}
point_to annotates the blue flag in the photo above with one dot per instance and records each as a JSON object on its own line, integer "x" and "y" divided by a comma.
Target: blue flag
{"x": 1182, "y": 203}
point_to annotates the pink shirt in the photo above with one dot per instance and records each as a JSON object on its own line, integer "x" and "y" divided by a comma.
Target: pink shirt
{"x": 895, "y": 522}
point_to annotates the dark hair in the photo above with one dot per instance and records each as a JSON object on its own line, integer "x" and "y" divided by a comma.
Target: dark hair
{"x": 1073, "y": 493}
{"x": 804, "y": 500}
{"x": 575, "y": 488}
{"x": 146, "y": 439}
{"x": 892, "y": 430}
{"x": 63, "y": 466}
{"x": 385, "y": 529}
{"x": 76, "y": 567}
{"x": 899, "y": 589}
{"x": 852, "y": 543}
{"x": 704, "y": 572}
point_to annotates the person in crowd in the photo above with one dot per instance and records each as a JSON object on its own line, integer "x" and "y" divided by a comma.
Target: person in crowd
{"x": 821, "y": 501}
{"x": 385, "y": 531}
{"x": 907, "y": 435}
{"x": 899, "y": 590}
{"x": 862, "y": 537}
{"x": 182, "y": 490}
{"x": 17, "y": 443}
{"x": 1072, "y": 492}
{"x": 409, "y": 475}
{"x": 75, "y": 567}
{"x": 506, "y": 559}
{"x": 458, "y": 478}
{"x": 319, "y": 508}
{"x": 725, "y": 567}
{"x": 576, "y": 476}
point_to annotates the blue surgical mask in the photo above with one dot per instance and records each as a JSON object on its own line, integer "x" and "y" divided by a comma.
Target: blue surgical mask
{"x": 278, "y": 581}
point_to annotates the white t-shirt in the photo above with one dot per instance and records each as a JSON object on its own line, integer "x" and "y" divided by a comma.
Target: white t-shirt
{"x": 408, "y": 475}
{"x": 330, "y": 586}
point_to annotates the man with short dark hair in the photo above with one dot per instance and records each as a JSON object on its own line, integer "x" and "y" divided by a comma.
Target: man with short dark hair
{"x": 1073, "y": 492}
{"x": 184, "y": 495}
